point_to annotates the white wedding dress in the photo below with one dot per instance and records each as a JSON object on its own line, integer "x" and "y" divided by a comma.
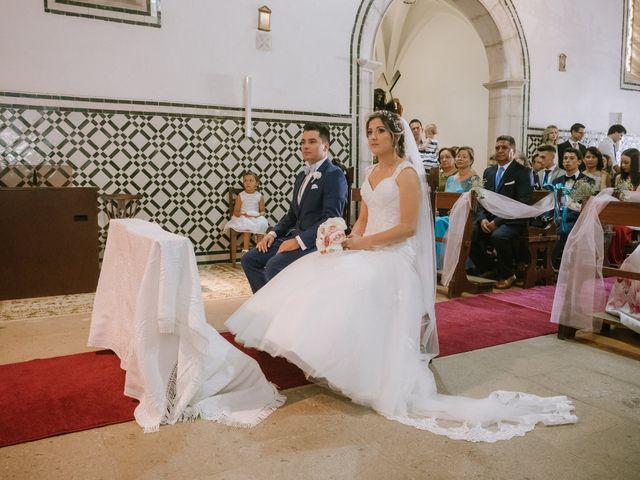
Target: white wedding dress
{"x": 352, "y": 320}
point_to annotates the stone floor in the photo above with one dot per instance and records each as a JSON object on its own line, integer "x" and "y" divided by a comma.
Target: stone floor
{"x": 318, "y": 434}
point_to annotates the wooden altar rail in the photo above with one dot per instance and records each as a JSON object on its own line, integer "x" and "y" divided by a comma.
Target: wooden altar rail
{"x": 615, "y": 213}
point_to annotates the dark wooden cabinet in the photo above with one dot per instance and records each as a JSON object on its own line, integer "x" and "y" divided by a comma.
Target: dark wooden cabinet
{"x": 48, "y": 241}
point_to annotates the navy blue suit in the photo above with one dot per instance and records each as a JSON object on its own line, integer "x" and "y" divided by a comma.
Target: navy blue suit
{"x": 516, "y": 184}
{"x": 323, "y": 198}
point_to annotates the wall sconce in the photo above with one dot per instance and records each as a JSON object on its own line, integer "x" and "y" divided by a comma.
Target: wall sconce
{"x": 562, "y": 63}
{"x": 264, "y": 19}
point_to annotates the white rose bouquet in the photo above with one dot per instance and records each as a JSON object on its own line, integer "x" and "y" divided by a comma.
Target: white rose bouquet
{"x": 331, "y": 235}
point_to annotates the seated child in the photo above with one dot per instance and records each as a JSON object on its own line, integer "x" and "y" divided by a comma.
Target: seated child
{"x": 248, "y": 212}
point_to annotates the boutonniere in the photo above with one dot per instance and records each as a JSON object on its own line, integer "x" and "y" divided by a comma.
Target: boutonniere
{"x": 316, "y": 175}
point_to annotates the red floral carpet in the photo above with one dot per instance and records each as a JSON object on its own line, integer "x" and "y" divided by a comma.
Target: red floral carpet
{"x": 47, "y": 397}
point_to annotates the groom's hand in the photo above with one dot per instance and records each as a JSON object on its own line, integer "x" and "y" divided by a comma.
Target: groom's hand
{"x": 264, "y": 244}
{"x": 289, "y": 246}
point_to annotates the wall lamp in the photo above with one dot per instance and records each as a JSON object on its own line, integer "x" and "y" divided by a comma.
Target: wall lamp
{"x": 264, "y": 19}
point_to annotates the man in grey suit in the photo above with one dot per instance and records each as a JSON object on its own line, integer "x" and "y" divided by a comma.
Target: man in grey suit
{"x": 550, "y": 171}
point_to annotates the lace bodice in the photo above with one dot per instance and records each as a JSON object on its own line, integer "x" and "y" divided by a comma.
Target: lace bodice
{"x": 383, "y": 203}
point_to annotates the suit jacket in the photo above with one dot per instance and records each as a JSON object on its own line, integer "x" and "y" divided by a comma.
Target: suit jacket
{"x": 563, "y": 146}
{"x": 323, "y": 198}
{"x": 515, "y": 184}
{"x": 555, "y": 173}
{"x": 535, "y": 181}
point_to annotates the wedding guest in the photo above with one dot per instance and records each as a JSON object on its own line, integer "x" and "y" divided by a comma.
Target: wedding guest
{"x": 629, "y": 172}
{"x": 594, "y": 168}
{"x": 248, "y": 212}
{"x": 431, "y": 145}
{"x": 512, "y": 180}
{"x": 550, "y": 171}
{"x": 536, "y": 166}
{"x": 550, "y": 135}
{"x": 323, "y": 187}
{"x": 610, "y": 145}
{"x": 446, "y": 159}
{"x": 575, "y": 135}
{"x": 536, "y": 163}
{"x": 606, "y": 159}
{"x": 460, "y": 182}
{"x": 522, "y": 159}
{"x": 418, "y": 136}
{"x": 572, "y": 161}
{"x": 421, "y": 143}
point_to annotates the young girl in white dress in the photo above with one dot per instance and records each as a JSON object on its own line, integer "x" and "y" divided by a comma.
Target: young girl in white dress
{"x": 362, "y": 321}
{"x": 248, "y": 212}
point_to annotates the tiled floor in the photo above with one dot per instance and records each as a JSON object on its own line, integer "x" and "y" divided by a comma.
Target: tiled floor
{"x": 318, "y": 434}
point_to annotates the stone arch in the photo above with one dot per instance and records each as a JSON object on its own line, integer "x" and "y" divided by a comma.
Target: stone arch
{"x": 499, "y": 28}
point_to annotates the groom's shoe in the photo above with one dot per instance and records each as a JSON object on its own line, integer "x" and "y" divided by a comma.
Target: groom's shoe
{"x": 506, "y": 283}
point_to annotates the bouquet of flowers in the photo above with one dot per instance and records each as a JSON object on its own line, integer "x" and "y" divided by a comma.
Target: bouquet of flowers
{"x": 579, "y": 193}
{"x": 331, "y": 235}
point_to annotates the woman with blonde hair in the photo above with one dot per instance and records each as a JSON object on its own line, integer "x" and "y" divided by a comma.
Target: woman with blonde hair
{"x": 550, "y": 135}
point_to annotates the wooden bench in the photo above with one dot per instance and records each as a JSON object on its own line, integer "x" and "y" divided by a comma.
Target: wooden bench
{"x": 615, "y": 213}
{"x": 461, "y": 282}
{"x": 538, "y": 242}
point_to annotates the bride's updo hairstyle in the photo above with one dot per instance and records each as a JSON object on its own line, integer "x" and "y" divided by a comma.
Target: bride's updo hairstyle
{"x": 392, "y": 122}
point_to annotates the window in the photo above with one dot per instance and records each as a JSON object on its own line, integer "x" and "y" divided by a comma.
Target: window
{"x": 630, "y": 75}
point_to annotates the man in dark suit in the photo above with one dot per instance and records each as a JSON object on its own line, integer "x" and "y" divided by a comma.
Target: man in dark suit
{"x": 319, "y": 193}
{"x": 572, "y": 162}
{"x": 577, "y": 132}
{"x": 512, "y": 180}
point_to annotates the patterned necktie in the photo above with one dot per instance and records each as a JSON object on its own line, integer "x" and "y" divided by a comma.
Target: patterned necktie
{"x": 499, "y": 176}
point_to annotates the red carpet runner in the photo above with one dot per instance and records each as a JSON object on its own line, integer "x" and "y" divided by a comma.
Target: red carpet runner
{"x": 43, "y": 398}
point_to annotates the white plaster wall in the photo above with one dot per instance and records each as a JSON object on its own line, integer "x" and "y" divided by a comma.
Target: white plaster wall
{"x": 200, "y": 55}
{"x": 589, "y": 32}
{"x": 443, "y": 71}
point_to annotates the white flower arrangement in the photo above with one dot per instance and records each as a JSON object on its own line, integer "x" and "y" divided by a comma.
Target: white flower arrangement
{"x": 476, "y": 187}
{"x": 316, "y": 175}
{"x": 331, "y": 235}
{"x": 621, "y": 189}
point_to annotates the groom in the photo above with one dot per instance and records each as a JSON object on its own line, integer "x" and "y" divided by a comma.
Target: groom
{"x": 319, "y": 193}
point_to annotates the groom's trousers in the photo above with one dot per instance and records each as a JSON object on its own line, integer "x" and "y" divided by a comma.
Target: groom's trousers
{"x": 261, "y": 267}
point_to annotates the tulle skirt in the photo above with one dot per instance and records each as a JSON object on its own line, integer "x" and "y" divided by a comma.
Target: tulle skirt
{"x": 257, "y": 225}
{"x": 351, "y": 320}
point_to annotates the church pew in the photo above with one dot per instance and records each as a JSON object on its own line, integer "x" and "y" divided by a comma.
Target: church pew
{"x": 615, "y": 213}
{"x": 536, "y": 240}
{"x": 460, "y": 281}
{"x": 539, "y": 242}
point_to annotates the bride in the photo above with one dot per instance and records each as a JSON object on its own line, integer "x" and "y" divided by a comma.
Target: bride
{"x": 362, "y": 321}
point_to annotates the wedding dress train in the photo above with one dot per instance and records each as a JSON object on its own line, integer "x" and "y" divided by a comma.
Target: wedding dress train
{"x": 354, "y": 320}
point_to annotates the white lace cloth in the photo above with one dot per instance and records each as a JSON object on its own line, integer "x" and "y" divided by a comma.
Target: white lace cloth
{"x": 148, "y": 309}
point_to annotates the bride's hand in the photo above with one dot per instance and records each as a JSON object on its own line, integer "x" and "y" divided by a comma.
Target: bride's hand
{"x": 354, "y": 242}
